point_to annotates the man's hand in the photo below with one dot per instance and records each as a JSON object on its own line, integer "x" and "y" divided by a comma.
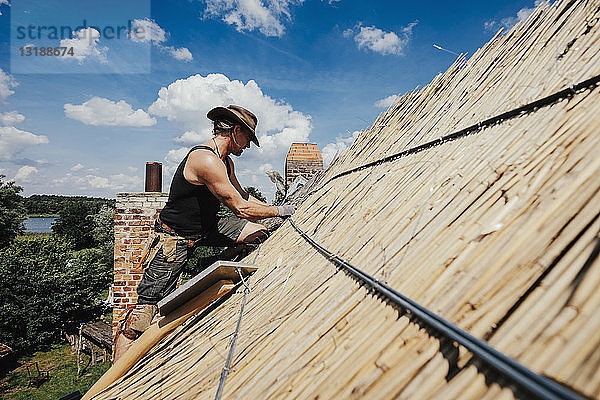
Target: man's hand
{"x": 286, "y": 210}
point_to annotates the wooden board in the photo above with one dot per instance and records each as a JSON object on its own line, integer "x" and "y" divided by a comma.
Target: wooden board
{"x": 220, "y": 270}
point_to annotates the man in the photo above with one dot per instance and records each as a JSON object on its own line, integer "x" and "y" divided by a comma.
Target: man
{"x": 204, "y": 179}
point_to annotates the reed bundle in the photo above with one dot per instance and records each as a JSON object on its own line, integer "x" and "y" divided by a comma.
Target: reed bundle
{"x": 495, "y": 231}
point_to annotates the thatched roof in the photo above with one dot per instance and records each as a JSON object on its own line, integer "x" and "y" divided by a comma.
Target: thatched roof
{"x": 495, "y": 231}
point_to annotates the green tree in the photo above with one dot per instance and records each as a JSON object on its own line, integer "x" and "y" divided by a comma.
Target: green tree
{"x": 46, "y": 287}
{"x": 103, "y": 232}
{"x": 76, "y": 223}
{"x": 254, "y": 192}
{"x": 104, "y": 225}
{"x": 51, "y": 204}
{"x": 279, "y": 196}
{"x": 12, "y": 212}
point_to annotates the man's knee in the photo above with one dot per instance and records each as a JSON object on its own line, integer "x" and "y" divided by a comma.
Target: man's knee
{"x": 138, "y": 320}
{"x": 257, "y": 237}
{"x": 253, "y": 233}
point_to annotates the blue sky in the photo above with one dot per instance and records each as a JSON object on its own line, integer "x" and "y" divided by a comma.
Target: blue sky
{"x": 318, "y": 71}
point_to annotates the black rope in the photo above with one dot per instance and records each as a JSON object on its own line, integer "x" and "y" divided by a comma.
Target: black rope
{"x": 590, "y": 84}
{"x": 537, "y": 385}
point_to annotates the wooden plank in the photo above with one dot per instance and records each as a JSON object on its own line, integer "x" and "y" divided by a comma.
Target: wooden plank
{"x": 220, "y": 270}
{"x": 156, "y": 332}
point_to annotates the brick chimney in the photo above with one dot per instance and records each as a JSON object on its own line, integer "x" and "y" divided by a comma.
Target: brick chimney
{"x": 303, "y": 159}
{"x": 134, "y": 217}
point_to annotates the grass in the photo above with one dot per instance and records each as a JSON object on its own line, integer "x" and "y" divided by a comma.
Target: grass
{"x": 61, "y": 363}
{"x": 34, "y": 234}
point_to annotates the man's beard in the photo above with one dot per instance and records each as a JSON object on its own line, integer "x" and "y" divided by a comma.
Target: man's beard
{"x": 237, "y": 150}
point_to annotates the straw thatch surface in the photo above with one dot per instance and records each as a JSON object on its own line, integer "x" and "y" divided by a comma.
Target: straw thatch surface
{"x": 493, "y": 231}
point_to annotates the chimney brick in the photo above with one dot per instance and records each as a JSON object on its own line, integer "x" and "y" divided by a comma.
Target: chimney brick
{"x": 302, "y": 159}
{"x": 134, "y": 217}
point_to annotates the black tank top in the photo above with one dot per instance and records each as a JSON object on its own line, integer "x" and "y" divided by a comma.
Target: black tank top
{"x": 191, "y": 209}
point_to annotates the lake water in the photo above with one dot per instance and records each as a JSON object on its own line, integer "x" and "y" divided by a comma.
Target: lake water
{"x": 39, "y": 225}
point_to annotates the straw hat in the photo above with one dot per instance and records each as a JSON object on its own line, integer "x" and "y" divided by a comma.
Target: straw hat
{"x": 236, "y": 113}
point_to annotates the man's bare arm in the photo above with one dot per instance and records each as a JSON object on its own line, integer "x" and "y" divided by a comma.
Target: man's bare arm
{"x": 236, "y": 184}
{"x": 255, "y": 200}
{"x": 209, "y": 170}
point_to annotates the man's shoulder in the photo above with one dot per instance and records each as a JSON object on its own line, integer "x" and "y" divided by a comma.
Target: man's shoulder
{"x": 202, "y": 153}
{"x": 204, "y": 160}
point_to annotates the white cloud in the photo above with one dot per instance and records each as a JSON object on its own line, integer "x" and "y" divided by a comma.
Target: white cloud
{"x": 348, "y": 32}
{"x": 386, "y": 102}
{"x": 255, "y": 176}
{"x": 491, "y": 25}
{"x": 114, "y": 182}
{"x": 24, "y": 173}
{"x": 13, "y": 141}
{"x": 132, "y": 169}
{"x": 185, "y": 102}
{"x": 173, "y": 158}
{"x": 4, "y": 2}
{"x": 148, "y": 31}
{"x": 108, "y": 184}
{"x": 77, "y": 167}
{"x": 99, "y": 111}
{"x": 11, "y": 118}
{"x": 332, "y": 150}
{"x": 249, "y": 15}
{"x": 86, "y": 45}
{"x": 7, "y": 82}
{"x": 508, "y": 22}
{"x": 190, "y": 138}
{"x": 182, "y": 53}
{"x": 379, "y": 41}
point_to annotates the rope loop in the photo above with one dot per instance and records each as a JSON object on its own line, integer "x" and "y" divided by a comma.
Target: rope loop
{"x": 246, "y": 287}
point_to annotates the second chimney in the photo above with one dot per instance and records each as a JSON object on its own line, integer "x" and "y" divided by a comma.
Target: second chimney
{"x": 153, "y": 177}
